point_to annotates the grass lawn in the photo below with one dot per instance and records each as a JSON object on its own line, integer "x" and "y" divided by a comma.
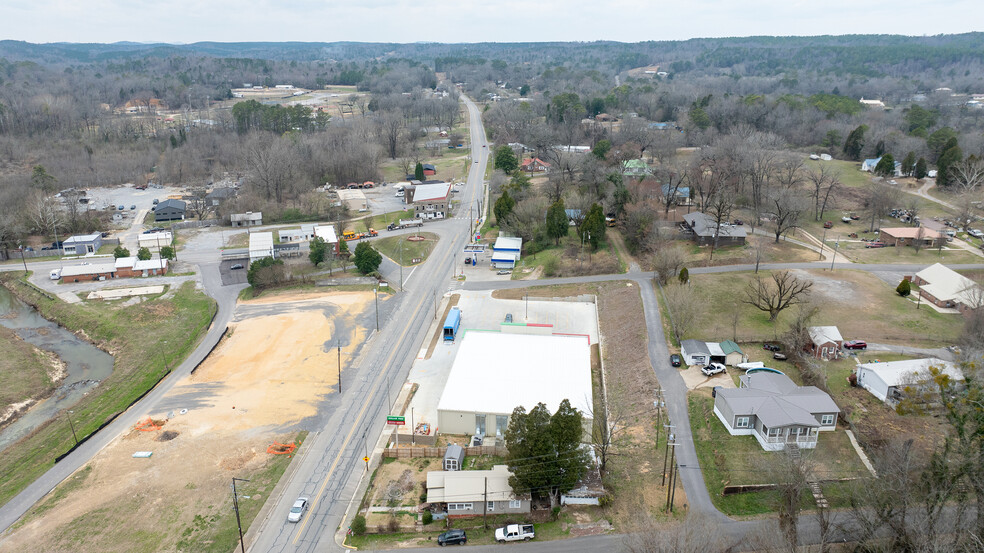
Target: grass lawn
{"x": 24, "y": 370}
{"x": 860, "y": 304}
{"x": 569, "y": 259}
{"x": 783, "y": 252}
{"x": 450, "y": 165}
{"x": 855, "y": 250}
{"x": 740, "y": 460}
{"x": 134, "y": 334}
{"x": 391, "y": 247}
{"x": 379, "y": 222}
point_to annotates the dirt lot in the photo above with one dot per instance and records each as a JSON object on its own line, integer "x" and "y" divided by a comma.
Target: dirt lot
{"x": 262, "y": 380}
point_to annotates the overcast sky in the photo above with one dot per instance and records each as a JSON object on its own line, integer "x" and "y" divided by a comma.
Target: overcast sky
{"x": 183, "y": 21}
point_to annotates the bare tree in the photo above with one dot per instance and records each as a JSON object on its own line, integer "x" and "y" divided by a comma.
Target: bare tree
{"x": 824, "y": 181}
{"x": 969, "y": 173}
{"x": 44, "y": 214}
{"x": 698, "y": 533}
{"x": 667, "y": 262}
{"x": 199, "y": 204}
{"x": 786, "y": 206}
{"x": 685, "y": 308}
{"x": 527, "y": 217}
{"x": 784, "y": 291}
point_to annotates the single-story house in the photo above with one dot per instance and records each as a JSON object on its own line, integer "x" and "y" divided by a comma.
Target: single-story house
{"x": 170, "y": 210}
{"x": 506, "y": 252}
{"x": 93, "y": 271}
{"x": 909, "y": 236}
{"x": 945, "y": 287}
{"x": 869, "y": 165}
{"x": 681, "y": 196}
{"x": 248, "y": 219}
{"x": 493, "y": 373}
{"x": 154, "y": 241}
{"x": 429, "y": 170}
{"x": 454, "y": 458}
{"x": 825, "y": 341}
{"x": 776, "y": 411}
{"x": 534, "y": 165}
{"x": 432, "y": 201}
{"x": 705, "y": 229}
{"x": 133, "y": 267}
{"x": 303, "y": 234}
{"x": 260, "y": 245}
{"x": 887, "y": 381}
{"x": 219, "y": 195}
{"x": 475, "y": 492}
{"x": 695, "y": 352}
{"x": 635, "y": 168}
{"x": 82, "y": 244}
{"x": 118, "y": 268}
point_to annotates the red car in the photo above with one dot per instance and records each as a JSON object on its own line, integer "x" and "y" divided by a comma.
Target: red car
{"x": 855, "y": 344}
{"x": 874, "y": 245}
{"x": 828, "y": 224}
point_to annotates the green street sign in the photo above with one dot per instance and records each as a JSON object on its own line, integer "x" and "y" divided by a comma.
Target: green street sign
{"x": 396, "y": 419}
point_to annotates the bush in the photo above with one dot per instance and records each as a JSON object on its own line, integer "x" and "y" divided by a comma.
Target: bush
{"x": 393, "y": 525}
{"x": 359, "y": 525}
{"x": 550, "y": 266}
{"x": 366, "y": 258}
{"x": 904, "y": 288}
{"x": 428, "y": 518}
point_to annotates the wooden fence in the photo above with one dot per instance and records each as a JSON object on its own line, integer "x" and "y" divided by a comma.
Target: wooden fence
{"x": 413, "y": 452}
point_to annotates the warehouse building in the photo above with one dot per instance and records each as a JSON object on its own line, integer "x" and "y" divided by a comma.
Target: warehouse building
{"x": 493, "y": 373}
{"x": 506, "y": 252}
{"x": 260, "y": 245}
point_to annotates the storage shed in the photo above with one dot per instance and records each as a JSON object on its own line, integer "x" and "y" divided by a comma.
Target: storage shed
{"x": 454, "y": 457}
{"x": 695, "y": 352}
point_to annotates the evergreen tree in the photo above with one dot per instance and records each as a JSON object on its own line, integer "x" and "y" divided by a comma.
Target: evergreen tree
{"x": 854, "y": 145}
{"x": 366, "y": 258}
{"x": 318, "y": 249}
{"x": 418, "y": 171}
{"x": 904, "y": 288}
{"x": 602, "y": 148}
{"x": 880, "y": 148}
{"x": 593, "y": 228}
{"x": 167, "y": 252}
{"x": 909, "y": 164}
{"x": 684, "y": 275}
{"x": 920, "y": 171}
{"x": 886, "y": 166}
{"x": 944, "y": 166}
{"x": 557, "y": 223}
{"x": 143, "y": 254}
{"x": 120, "y": 251}
{"x": 503, "y": 207}
{"x": 554, "y": 442}
{"x": 505, "y": 159}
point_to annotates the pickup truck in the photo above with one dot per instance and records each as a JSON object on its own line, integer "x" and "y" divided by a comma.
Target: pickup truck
{"x": 514, "y": 532}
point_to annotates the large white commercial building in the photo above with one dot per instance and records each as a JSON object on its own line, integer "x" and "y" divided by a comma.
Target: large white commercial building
{"x": 260, "y": 245}
{"x": 493, "y": 373}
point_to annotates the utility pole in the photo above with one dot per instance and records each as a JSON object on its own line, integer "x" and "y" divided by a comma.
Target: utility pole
{"x": 413, "y": 438}
{"x": 72, "y": 426}
{"x": 365, "y": 444}
{"x": 834, "y": 258}
{"x": 23, "y": 260}
{"x": 527, "y": 307}
{"x": 671, "y": 494}
{"x": 669, "y": 438}
{"x": 822, "y": 242}
{"x": 375, "y": 294}
{"x": 401, "y": 261}
{"x": 485, "y": 506}
{"x": 338, "y": 346}
{"x": 235, "y": 504}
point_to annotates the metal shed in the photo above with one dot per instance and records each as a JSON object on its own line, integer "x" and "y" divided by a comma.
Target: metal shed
{"x": 454, "y": 457}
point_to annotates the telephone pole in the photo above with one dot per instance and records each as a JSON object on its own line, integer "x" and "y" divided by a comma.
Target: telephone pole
{"x": 669, "y": 438}
{"x": 235, "y": 505}
{"x": 338, "y": 346}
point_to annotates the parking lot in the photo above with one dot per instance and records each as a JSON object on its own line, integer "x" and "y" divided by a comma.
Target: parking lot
{"x": 233, "y": 276}
{"x": 481, "y": 312}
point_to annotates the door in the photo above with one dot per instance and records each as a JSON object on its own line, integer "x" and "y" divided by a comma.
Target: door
{"x": 501, "y": 423}
{"x": 480, "y": 425}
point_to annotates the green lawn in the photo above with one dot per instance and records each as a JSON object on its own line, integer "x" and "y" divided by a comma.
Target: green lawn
{"x": 570, "y": 259}
{"x": 391, "y": 247}
{"x": 860, "y": 304}
{"x": 136, "y": 334}
{"x": 740, "y": 460}
{"x": 856, "y": 251}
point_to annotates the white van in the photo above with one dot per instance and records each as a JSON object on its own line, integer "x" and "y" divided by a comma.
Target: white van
{"x": 55, "y": 274}
{"x": 399, "y": 193}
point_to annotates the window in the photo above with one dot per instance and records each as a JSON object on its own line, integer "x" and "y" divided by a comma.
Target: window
{"x": 827, "y": 420}
{"x": 741, "y": 422}
{"x": 490, "y": 506}
{"x": 774, "y": 432}
{"x": 515, "y": 504}
{"x": 460, "y": 506}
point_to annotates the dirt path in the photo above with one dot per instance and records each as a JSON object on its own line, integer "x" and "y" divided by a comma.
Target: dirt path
{"x": 623, "y": 252}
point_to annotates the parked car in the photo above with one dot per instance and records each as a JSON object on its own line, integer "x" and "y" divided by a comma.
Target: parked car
{"x": 453, "y": 537}
{"x": 236, "y": 266}
{"x": 298, "y": 509}
{"x": 503, "y": 272}
{"x": 155, "y": 201}
{"x": 133, "y": 207}
{"x": 770, "y": 347}
{"x": 846, "y": 219}
{"x": 828, "y": 224}
{"x": 121, "y": 207}
{"x": 875, "y": 244}
{"x": 779, "y": 356}
{"x": 675, "y": 360}
{"x": 975, "y": 233}
{"x": 712, "y": 369}
{"x": 855, "y": 344}
{"x": 508, "y": 317}
{"x": 738, "y": 222}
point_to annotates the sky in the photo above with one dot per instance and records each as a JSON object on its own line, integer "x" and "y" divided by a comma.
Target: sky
{"x": 185, "y": 21}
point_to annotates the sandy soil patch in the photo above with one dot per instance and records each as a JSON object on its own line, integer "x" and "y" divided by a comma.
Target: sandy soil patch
{"x": 270, "y": 373}
{"x": 695, "y": 379}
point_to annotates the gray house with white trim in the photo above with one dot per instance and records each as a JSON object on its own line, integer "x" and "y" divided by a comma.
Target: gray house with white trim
{"x": 475, "y": 492}
{"x": 776, "y": 411}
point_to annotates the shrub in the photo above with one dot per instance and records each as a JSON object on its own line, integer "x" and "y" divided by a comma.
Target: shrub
{"x": 359, "y": 525}
{"x": 393, "y": 525}
{"x": 550, "y": 266}
{"x": 428, "y": 518}
{"x": 904, "y": 288}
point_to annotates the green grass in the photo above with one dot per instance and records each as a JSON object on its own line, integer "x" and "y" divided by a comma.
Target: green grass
{"x": 740, "y": 460}
{"x": 860, "y": 304}
{"x": 23, "y": 371}
{"x": 477, "y": 534}
{"x": 379, "y": 222}
{"x": 218, "y": 533}
{"x": 60, "y": 492}
{"x": 905, "y": 254}
{"x": 848, "y": 172}
{"x": 391, "y": 247}
{"x": 136, "y": 335}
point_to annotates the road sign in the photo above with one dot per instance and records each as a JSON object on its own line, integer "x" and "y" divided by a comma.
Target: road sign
{"x": 396, "y": 420}
{"x": 366, "y": 459}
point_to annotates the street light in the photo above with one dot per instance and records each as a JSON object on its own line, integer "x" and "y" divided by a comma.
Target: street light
{"x": 235, "y": 504}
{"x": 375, "y": 294}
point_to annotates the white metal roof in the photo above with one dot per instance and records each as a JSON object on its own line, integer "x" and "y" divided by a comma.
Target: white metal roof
{"x": 326, "y": 233}
{"x": 150, "y": 264}
{"x": 469, "y": 485}
{"x": 82, "y": 238}
{"x": 260, "y": 242}
{"x": 495, "y": 372}
{"x": 431, "y": 192}
{"x": 513, "y": 243}
{"x": 894, "y": 373}
{"x": 80, "y": 270}
{"x": 164, "y": 237}
{"x": 948, "y": 285}
{"x": 824, "y": 334}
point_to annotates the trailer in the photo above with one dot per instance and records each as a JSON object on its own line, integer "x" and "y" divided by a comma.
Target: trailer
{"x": 408, "y": 223}
{"x": 451, "y": 324}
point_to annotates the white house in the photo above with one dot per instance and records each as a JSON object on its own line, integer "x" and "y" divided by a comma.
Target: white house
{"x": 886, "y": 381}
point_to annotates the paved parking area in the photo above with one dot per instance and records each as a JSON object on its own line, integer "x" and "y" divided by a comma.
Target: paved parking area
{"x": 481, "y": 312}
{"x": 233, "y": 276}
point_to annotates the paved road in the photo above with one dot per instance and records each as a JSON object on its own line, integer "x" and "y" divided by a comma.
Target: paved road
{"x": 330, "y": 467}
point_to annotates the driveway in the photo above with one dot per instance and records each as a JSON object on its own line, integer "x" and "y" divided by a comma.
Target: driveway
{"x": 941, "y": 353}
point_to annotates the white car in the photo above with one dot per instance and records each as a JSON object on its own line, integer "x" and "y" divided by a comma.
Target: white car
{"x": 297, "y": 511}
{"x": 975, "y": 233}
{"x": 712, "y": 369}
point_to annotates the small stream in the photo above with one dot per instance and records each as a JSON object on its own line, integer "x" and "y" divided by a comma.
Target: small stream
{"x": 86, "y": 365}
